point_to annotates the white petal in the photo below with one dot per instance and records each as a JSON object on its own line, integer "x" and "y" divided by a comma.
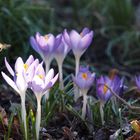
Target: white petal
{"x": 9, "y": 67}
{"x": 19, "y": 65}
{"x": 21, "y": 83}
{"x": 10, "y": 82}
{"x": 49, "y": 76}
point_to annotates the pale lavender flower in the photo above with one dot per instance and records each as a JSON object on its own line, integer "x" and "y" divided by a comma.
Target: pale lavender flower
{"x": 84, "y": 81}
{"x": 60, "y": 53}
{"x": 79, "y": 42}
{"x": 40, "y": 83}
{"x": 19, "y": 83}
{"x": 84, "y": 78}
{"x": 44, "y": 45}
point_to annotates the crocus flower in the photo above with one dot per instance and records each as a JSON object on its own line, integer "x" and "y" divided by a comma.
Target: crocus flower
{"x": 84, "y": 81}
{"x": 19, "y": 83}
{"x": 79, "y": 43}
{"x": 60, "y": 53}
{"x": 104, "y": 93}
{"x": 137, "y": 80}
{"x": 44, "y": 45}
{"x": 40, "y": 83}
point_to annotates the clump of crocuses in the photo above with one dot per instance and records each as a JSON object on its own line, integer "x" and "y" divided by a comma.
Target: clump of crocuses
{"x": 79, "y": 42}
{"x": 84, "y": 80}
{"x": 39, "y": 84}
{"x": 32, "y": 75}
{"x": 19, "y": 82}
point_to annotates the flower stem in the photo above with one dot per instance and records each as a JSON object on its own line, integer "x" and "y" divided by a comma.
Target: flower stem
{"x": 102, "y": 112}
{"x": 38, "y": 117}
{"x": 47, "y": 65}
{"x": 60, "y": 63}
{"x": 23, "y": 113}
{"x": 77, "y": 63}
{"x": 76, "y": 90}
{"x": 84, "y": 93}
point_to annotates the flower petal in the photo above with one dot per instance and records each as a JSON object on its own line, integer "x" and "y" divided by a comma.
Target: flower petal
{"x": 66, "y": 37}
{"x": 85, "y": 31}
{"x": 19, "y": 65}
{"x": 49, "y": 76}
{"x": 9, "y": 67}
{"x": 29, "y": 60}
{"x": 21, "y": 83}
{"x": 10, "y": 82}
{"x": 86, "y": 40}
{"x": 34, "y": 44}
{"x": 75, "y": 39}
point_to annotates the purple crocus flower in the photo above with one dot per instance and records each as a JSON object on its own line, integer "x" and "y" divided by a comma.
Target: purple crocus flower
{"x": 137, "y": 80}
{"x": 44, "y": 45}
{"x": 84, "y": 81}
{"x": 60, "y": 53}
{"x": 104, "y": 94}
{"x": 19, "y": 83}
{"x": 116, "y": 84}
{"x": 40, "y": 83}
{"x": 84, "y": 78}
{"x": 79, "y": 43}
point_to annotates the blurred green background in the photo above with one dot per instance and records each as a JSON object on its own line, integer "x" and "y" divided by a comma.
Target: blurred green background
{"x": 116, "y": 25}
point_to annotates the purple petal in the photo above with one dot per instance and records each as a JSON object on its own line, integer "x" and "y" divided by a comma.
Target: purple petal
{"x": 51, "y": 42}
{"x": 58, "y": 40}
{"x": 86, "y": 40}
{"x": 85, "y": 31}
{"x": 34, "y": 44}
{"x": 67, "y": 38}
{"x": 42, "y": 42}
{"x": 75, "y": 39}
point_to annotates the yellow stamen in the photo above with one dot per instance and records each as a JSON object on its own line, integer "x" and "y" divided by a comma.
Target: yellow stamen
{"x": 46, "y": 37}
{"x": 84, "y": 76}
{"x": 25, "y": 66}
{"x": 40, "y": 76}
{"x": 105, "y": 89}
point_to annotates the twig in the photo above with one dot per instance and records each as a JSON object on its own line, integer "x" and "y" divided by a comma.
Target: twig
{"x": 122, "y": 100}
